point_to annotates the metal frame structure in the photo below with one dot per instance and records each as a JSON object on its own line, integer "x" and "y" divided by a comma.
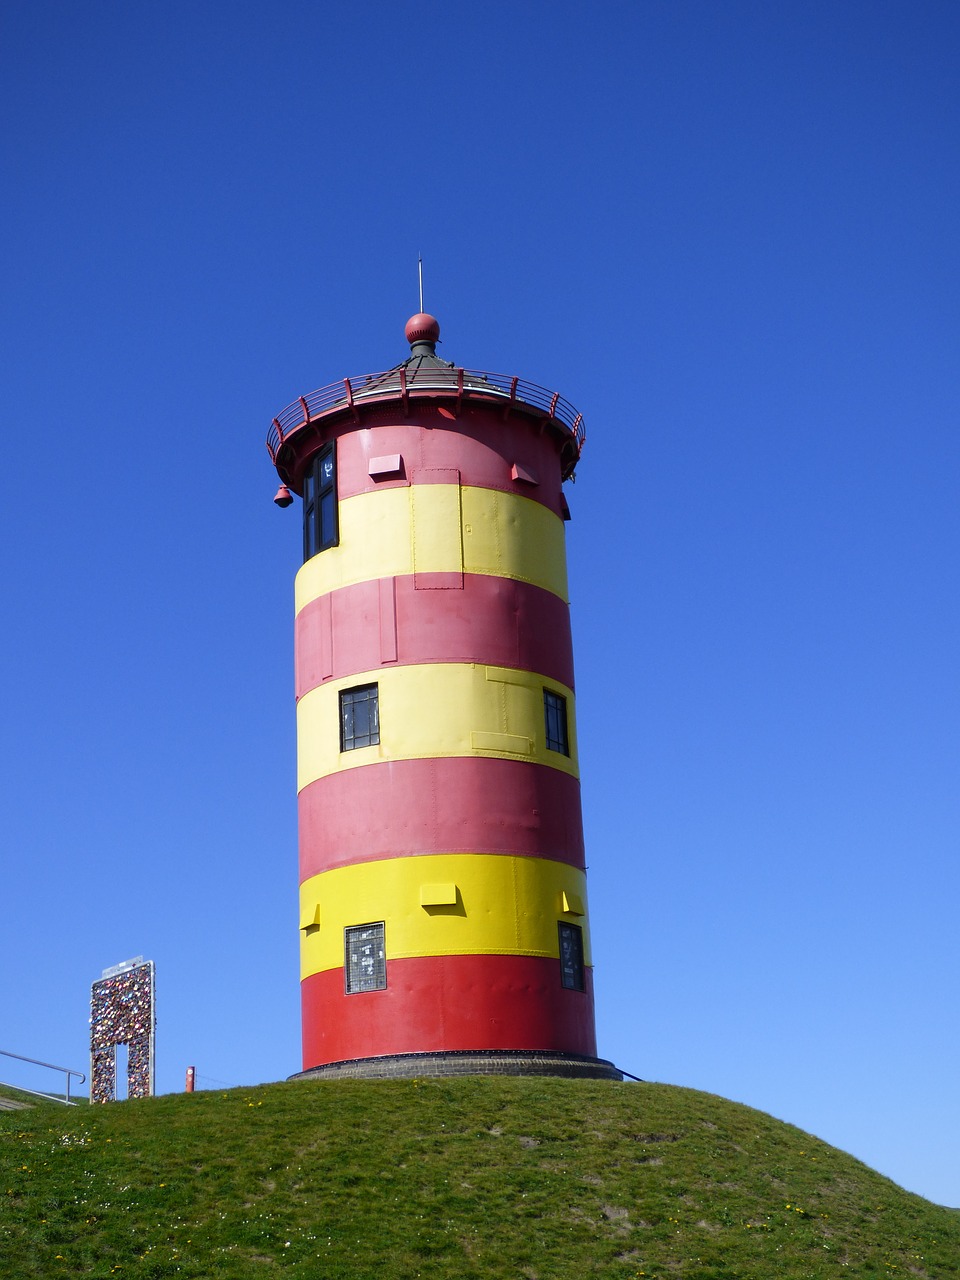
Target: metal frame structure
{"x": 500, "y": 391}
{"x": 123, "y": 1012}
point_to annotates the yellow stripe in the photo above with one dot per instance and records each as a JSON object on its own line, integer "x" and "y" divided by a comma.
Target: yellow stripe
{"x": 394, "y": 532}
{"x": 435, "y": 710}
{"x": 503, "y": 906}
{"x": 436, "y": 527}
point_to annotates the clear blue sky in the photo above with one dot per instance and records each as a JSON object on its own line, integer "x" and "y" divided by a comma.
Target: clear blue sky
{"x": 726, "y": 232}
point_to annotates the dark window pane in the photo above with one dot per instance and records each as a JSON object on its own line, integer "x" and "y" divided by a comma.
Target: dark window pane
{"x": 328, "y": 519}
{"x": 320, "y": 503}
{"x": 361, "y": 721}
{"x": 359, "y": 717}
{"x": 364, "y": 962}
{"x": 555, "y": 721}
{"x": 571, "y": 956}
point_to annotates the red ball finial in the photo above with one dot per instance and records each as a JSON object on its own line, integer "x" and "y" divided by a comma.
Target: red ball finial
{"x": 422, "y": 328}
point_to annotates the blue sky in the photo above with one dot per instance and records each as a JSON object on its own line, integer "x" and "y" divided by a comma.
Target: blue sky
{"x": 727, "y": 233}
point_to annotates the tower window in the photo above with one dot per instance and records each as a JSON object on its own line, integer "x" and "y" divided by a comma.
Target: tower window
{"x": 359, "y": 717}
{"x": 364, "y": 958}
{"x": 571, "y": 956}
{"x": 320, "y": 503}
{"x": 555, "y": 719}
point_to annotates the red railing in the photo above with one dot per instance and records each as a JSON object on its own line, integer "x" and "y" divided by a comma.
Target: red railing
{"x": 401, "y": 383}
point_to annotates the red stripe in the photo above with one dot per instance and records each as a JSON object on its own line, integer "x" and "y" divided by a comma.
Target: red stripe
{"x": 398, "y": 808}
{"x": 481, "y": 445}
{"x": 491, "y": 620}
{"x": 438, "y": 1003}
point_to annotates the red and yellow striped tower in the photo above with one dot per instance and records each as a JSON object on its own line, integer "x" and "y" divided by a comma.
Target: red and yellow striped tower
{"x": 442, "y": 882}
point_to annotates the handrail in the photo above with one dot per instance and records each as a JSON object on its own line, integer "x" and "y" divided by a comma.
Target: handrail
{"x": 401, "y": 382}
{"x": 68, "y": 1072}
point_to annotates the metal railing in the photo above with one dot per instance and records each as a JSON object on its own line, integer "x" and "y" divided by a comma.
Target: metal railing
{"x": 52, "y": 1097}
{"x": 400, "y": 383}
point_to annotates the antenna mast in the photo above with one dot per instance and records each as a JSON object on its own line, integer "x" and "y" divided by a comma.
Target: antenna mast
{"x": 420, "y": 269}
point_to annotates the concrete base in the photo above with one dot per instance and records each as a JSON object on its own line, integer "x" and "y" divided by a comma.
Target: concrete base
{"x": 481, "y": 1062}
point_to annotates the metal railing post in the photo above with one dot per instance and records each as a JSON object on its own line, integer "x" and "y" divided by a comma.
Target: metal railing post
{"x": 51, "y": 1066}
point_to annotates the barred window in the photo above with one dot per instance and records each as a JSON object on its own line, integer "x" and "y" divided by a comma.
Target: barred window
{"x": 359, "y": 717}
{"x": 555, "y": 719}
{"x": 320, "y": 503}
{"x": 571, "y": 956}
{"x": 364, "y": 961}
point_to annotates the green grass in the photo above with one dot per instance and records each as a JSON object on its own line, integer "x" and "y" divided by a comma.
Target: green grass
{"x": 526, "y": 1179}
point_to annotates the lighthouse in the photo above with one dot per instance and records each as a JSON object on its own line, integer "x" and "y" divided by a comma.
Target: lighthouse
{"x": 443, "y": 899}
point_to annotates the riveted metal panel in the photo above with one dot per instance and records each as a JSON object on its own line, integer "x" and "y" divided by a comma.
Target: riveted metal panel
{"x": 503, "y": 534}
{"x": 437, "y": 530}
{"x": 432, "y": 710}
{"x": 448, "y": 1003}
{"x": 483, "y": 449}
{"x": 505, "y": 906}
{"x": 495, "y": 621}
{"x": 387, "y": 593}
{"x": 477, "y": 803}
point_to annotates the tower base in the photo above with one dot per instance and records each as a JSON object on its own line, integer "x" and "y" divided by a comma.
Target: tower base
{"x": 479, "y": 1062}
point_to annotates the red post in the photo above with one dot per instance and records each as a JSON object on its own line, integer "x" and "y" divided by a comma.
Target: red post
{"x": 191, "y": 1078}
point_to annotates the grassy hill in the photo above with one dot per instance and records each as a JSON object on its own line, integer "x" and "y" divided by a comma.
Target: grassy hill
{"x": 526, "y": 1179}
